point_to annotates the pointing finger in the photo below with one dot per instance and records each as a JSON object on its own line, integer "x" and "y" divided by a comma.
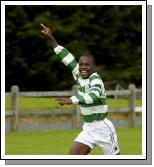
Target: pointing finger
{"x": 43, "y": 25}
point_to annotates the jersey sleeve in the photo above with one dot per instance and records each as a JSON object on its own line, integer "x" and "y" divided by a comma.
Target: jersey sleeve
{"x": 68, "y": 60}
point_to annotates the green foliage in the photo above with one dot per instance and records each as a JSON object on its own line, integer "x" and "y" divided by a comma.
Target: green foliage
{"x": 47, "y": 142}
{"x": 111, "y": 33}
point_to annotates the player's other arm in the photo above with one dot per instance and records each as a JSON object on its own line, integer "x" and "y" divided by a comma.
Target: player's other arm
{"x": 91, "y": 97}
{"x": 87, "y": 98}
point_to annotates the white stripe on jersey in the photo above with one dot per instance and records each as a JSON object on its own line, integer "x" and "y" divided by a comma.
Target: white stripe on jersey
{"x": 58, "y": 49}
{"x": 94, "y": 109}
{"x": 96, "y": 81}
{"x": 87, "y": 98}
{"x": 67, "y": 59}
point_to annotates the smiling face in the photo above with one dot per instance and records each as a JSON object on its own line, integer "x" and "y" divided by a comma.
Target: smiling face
{"x": 86, "y": 66}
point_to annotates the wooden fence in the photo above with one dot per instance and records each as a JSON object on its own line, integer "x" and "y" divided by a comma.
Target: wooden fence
{"x": 131, "y": 93}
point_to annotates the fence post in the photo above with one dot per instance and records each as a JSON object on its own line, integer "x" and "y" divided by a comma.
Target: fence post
{"x": 76, "y": 122}
{"x": 14, "y": 107}
{"x": 116, "y": 91}
{"x": 131, "y": 105}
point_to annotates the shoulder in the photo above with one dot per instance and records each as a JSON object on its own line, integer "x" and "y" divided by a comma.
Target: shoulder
{"x": 95, "y": 78}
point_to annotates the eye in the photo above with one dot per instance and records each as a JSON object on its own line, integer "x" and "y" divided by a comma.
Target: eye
{"x": 87, "y": 64}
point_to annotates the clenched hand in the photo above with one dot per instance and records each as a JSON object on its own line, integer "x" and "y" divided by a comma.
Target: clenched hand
{"x": 63, "y": 101}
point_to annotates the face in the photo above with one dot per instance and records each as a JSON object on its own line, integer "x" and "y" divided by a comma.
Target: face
{"x": 86, "y": 66}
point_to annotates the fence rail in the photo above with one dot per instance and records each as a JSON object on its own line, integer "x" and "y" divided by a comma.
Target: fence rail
{"x": 67, "y": 93}
{"x": 131, "y": 93}
{"x": 44, "y": 94}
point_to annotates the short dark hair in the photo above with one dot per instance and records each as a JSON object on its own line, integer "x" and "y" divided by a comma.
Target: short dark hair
{"x": 90, "y": 56}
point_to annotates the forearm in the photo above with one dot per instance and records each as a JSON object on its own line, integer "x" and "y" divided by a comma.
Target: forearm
{"x": 53, "y": 42}
{"x": 83, "y": 99}
{"x": 66, "y": 57}
{"x": 63, "y": 101}
{"x": 93, "y": 96}
{"x": 48, "y": 34}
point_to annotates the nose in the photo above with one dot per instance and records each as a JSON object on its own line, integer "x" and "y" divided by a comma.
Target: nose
{"x": 83, "y": 66}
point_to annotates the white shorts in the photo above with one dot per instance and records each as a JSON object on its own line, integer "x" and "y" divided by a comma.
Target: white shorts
{"x": 100, "y": 133}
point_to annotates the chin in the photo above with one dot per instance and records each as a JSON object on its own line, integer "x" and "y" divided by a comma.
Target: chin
{"x": 84, "y": 77}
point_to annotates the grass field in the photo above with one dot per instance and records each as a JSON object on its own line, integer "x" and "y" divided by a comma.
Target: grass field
{"x": 58, "y": 142}
{"x": 27, "y": 103}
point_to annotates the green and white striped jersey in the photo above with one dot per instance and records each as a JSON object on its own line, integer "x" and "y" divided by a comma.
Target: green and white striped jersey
{"x": 91, "y": 92}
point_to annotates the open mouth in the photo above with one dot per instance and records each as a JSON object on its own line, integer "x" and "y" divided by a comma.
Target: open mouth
{"x": 83, "y": 72}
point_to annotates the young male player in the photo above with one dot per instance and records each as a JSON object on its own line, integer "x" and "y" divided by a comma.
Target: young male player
{"x": 97, "y": 129}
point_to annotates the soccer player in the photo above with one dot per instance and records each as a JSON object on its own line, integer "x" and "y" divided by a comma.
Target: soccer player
{"x": 97, "y": 129}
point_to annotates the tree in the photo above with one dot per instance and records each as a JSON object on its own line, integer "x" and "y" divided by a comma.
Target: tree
{"x": 113, "y": 34}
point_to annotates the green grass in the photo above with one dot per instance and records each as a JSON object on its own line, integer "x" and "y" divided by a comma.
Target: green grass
{"x": 58, "y": 142}
{"x": 113, "y": 103}
{"x": 27, "y": 103}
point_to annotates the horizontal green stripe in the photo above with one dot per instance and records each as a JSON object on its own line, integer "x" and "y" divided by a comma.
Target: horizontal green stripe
{"x": 94, "y": 97}
{"x": 72, "y": 65}
{"x": 95, "y": 77}
{"x": 81, "y": 99}
{"x": 101, "y": 101}
{"x": 97, "y": 86}
{"x": 95, "y": 117}
{"x": 95, "y": 89}
{"x": 64, "y": 52}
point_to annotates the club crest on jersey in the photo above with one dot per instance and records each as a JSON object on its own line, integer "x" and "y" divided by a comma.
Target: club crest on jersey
{"x": 87, "y": 88}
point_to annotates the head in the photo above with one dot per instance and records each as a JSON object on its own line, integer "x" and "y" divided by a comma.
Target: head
{"x": 87, "y": 65}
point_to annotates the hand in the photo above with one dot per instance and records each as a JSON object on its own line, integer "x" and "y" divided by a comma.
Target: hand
{"x": 63, "y": 101}
{"x": 46, "y": 32}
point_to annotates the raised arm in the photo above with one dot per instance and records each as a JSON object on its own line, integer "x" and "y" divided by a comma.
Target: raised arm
{"x": 64, "y": 55}
{"x": 48, "y": 34}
